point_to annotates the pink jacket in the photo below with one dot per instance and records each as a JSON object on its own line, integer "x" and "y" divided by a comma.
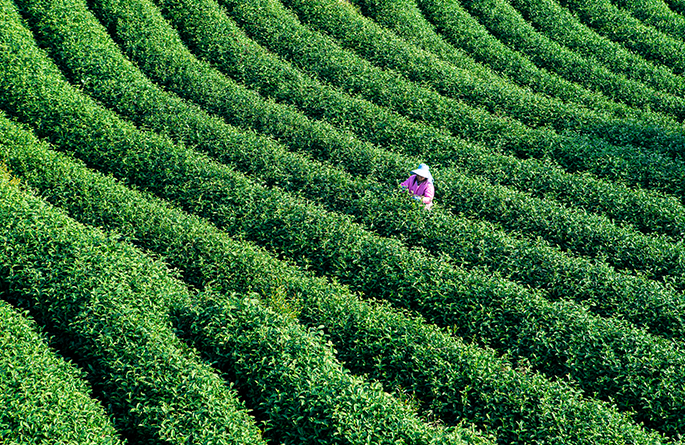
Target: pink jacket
{"x": 424, "y": 189}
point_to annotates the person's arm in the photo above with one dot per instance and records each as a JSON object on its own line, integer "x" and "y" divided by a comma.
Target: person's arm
{"x": 407, "y": 182}
{"x": 428, "y": 194}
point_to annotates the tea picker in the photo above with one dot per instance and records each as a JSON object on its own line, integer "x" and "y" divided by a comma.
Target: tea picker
{"x": 420, "y": 185}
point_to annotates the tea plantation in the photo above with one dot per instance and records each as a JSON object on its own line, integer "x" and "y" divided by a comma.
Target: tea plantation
{"x": 203, "y": 239}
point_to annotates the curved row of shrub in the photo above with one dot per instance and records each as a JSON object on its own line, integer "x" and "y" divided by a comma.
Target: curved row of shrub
{"x": 463, "y": 31}
{"x": 44, "y": 398}
{"x": 453, "y": 380}
{"x": 210, "y": 34}
{"x": 576, "y": 231}
{"x": 385, "y": 50}
{"x": 647, "y": 213}
{"x": 472, "y": 194}
{"x": 269, "y": 23}
{"x": 468, "y": 242}
{"x": 364, "y": 37}
{"x": 102, "y": 300}
{"x": 677, "y": 5}
{"x": 508, "y": 26}
{"x": 625, "y": 29}
{"x": 381, "y": 421}
{"x": 315, "y": 403}
{"x": 333, "y": 23}
{"x": 600, "y": 354}
{"x": 416, "y": 31}
{"x": 296, "y": 371}
{"x": 406, "y": 19}
{"x": 215, "y": 41}
{"x": 583, "y": 234}
{"x": 560, "y": 25}
{"x": 657, "y": 14}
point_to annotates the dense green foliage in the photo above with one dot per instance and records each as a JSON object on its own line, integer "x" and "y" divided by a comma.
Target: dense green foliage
{"x": 562, "y": 26}
{"x": 44, "y": 399}
{"x": 215, "y": 36}
{"x": 205, "y": 222}
{"x": 618, "y": 25}
{"x": 105, "y": 303}
{"x": 516, "y": 33}
{"x": 289, "y": 419}
{"x": 465, "y": 241}
{"x": 168, "y": 232}
{"x": 406, "y": 19}
{"x": 677, "y": 5}
{"x": 453, "y": 380}
{"x": 656, "y": 13}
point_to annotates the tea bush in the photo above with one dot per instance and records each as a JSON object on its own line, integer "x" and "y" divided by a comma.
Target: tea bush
{"x": 105, "y": 304}
{"x": 45, "y": 398}
{"x": 453, "y": 380}
{"x": 464, "y": 240}
{"x": 618, "y": 25}
{"x": 561, "y": 25}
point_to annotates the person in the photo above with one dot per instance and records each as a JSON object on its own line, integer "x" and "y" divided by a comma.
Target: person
{"x": 420, "y": 185}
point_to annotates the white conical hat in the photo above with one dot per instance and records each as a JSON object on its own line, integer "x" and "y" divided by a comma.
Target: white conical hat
{"x": 424, "y": 171}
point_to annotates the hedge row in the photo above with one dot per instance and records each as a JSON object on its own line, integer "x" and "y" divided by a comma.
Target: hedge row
{"x": 458, "y": 26}
{"x": 604, "y": 356}
{"x": 508, "y": 175}
{"x": 341, "y": 22}
{"x": 384, "y": 49}
{"x": 463, "y": 31}
{"x": 279, "y": 363}
{"x": 105, "y": 302}
{"x": 677, "y": 5}
{"x": 294, "y": 421}
{"x": 561, "y": 226}
{"x": 324, "y": 15}
{"x": 406, "y": 19}
{"x": 656, "y": 13}
{"x": 316, "y": 402}
{"x": 86, "y": 54}
{"x": 269, "y": 23}
{"x": 581, "y": 233}
{"x": 466, "y": 241}
{"x": 571, "y": 230}
{"x": 297, "y": 386}
{"x": 510, "y": 28}
{"x": 453, "y": 380}
{"x": 44, "y": 398}
{"x": 561, "y": 25}
{"x": 214, "y": 36}
{"x": 416, "y": 31}
{"x": 621, "y": 27}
